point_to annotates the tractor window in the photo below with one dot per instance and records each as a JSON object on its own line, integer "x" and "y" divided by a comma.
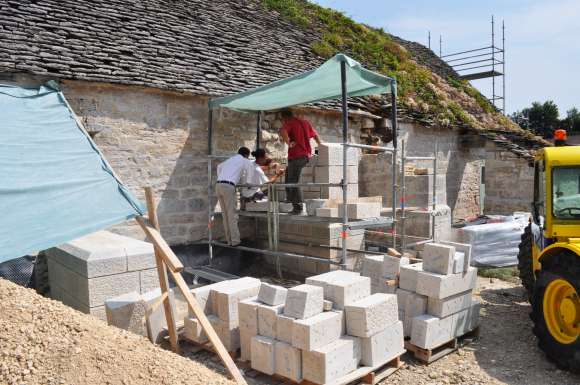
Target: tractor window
{"x": 566, "y": 192}
{"x": 539, "y": 191}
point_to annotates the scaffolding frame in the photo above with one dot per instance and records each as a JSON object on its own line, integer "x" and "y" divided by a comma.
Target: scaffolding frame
{"x": 346, "y": 225}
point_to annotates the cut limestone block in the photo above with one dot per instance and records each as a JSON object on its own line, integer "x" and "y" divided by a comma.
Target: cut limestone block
{"x": 332, "y": 192}
{"x": 193, "y": 331}
{"x": 304, "y": 301}
{"x": 331, "y": 154}
{"x": 327, "y": 212}
{"x": 443, "y": 286}
{"x": 267, "y": 316}
{"x": 462, "y": 248}
{"x": 315, "y": 332}
{"x": 288, "y": 361}
{"x": 227, "y": 297}
{"x": 342, "y": 287}
{"x": 342, "y": 320}
{"x": 203, "y": 296}
{"x": 333, "y": 174}
{"x": 370, "y": 315}
{"x": 262, "y": 353}
{"x": 438, "y": 258}
{"x": 284, "y": 327}
{"x": 332, "y": 361}
{"x": 312, "y": 205}
{"x": 450, "y": 305}
{"x": 155, "y": 319}
{"x": 246, "y": 345}
{"x": 415, "y": 305}
{"x": 272, "y": 294}
{"x": 392, "y": 266}
{"x": 228, "y": 334}
{"x": 262, "y": 205}
{"x": 248, "y": 313}
{"x": 372, "y": 267}
{"x": 458, "y": 262}
{"x": 402, "y": 295}
{"x": 327, "y": 305}
{"x": 429, "y": 332}
{"x": 474, "y": 314}
{"x": 127, "y": 312}
{"x": 383, "y": 346}
{"x": 360, "y": 210}
{"x": 408, "y": 276}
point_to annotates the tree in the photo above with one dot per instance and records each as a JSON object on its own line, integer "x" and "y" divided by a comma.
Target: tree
{"x": 540, "y": 118}
{"x": 572, "y": 121}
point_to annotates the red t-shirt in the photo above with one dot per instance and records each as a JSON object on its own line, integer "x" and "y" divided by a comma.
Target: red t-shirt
{"x": 299, "y": 131}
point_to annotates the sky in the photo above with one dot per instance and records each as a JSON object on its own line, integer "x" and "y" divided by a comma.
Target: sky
{"x": 542, "y": 39}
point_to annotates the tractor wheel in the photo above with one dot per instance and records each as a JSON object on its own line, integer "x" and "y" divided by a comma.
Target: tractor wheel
{"x": 40, "y": 272}
{"x": 525, "y": 262}
{"x": 556, "y": 311}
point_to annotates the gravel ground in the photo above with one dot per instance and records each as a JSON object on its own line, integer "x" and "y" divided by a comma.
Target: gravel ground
{"x": 45, "y": 342}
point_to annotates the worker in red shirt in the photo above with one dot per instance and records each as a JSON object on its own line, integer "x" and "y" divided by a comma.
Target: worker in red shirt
{"x": 296, "y": 133}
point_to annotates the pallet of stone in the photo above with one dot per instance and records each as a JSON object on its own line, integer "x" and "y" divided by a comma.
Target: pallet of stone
{"x": 428, "y": 356}
{"x": 207, "y": 346}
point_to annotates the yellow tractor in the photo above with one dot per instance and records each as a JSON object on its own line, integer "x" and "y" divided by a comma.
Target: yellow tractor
{"x": 549, "y": 256}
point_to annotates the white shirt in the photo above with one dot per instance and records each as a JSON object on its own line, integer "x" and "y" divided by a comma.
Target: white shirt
{"x": 235, "y": 169}
{"x": 256, "y": 177}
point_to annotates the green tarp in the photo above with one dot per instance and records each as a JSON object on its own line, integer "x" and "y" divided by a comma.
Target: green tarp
{"x": 323, "y": 83}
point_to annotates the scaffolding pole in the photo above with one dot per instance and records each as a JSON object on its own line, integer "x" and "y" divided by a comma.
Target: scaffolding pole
{"x": 344, "y": 162}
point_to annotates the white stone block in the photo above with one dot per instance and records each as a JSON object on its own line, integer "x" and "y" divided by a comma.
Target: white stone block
{"x": 450, "y": 305}
{"x": 430, "y": 332}
{"x": 443, "y": 286}
{"x": 263, "y": 355}
{"x": 331, "y": 154}
{"x": 342, "y": 287}
{"x": 288, "y": 361}
{"x": 284, "y": 328}
{"x": 335, "y": 193}
{"x": 408, "y": 276}
{"x": 463, "y": 248}
{"x": 474, "y": 314}
{"x": 272, "y": 294}
{"x": 334, "y": 174}
{"x": 327, "y": 212}
{"x": 304, "y": 301}
{"x": 332, "y": 361}
{"x": 148, "y": 280}
{"x": 415, "y": 305}
{"x": 155, "y": 320}
{"x": 267, "y": 317}
{"x": 402, "y": 295}
{"x": 127, "y": 312}
{"x": 248, "y": 315}
{"x": 227, "y": 297}
{"x": 193, "y": 331}
{"x": 383, "y": 346}
{"x": 203, "y": 297}
{"x": 342, "y": 320}
{"x": 228, "y": 334}
{"x": 262, "y": 205}
{"x": 246, "y": 345}
{"x": 438, "y": 258}
{"x": 392, "y": 266}
{"x": 370, "y": 315}
{"x": 315, "y": 332}
{"x": 458, "y": 262}
{"x": 360, "y": 210}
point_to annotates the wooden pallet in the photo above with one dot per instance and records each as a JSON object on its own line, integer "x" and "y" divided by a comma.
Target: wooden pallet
{"x": 428, "y": 356}
{"x": 208, "y": 347}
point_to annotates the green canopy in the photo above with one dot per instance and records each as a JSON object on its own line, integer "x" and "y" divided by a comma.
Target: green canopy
{"x": 322, "y": 83}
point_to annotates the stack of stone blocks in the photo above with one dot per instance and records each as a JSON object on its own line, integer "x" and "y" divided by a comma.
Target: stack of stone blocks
{"x": 383, "y": 271}
{"x": 322, "y": 330}
{"x": 87, "y": 271}
{"x": 435, "y": 296}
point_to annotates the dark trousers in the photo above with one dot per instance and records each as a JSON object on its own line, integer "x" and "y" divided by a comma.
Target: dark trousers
{"x": 293, "y": 171}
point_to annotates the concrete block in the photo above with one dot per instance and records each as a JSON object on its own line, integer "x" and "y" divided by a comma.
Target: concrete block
{"x": 331, "y": 154}
{"x": 127, "y": 312}
{"x": 429, "y": 332}
{"x": 263, "y": 354}
{"x": 408, "y": 276}
{"x": 327, "y": 212}
{"x": 333, "y": 174}
{"x": 443, "y": 286}
{"x": 315, "y": 332}
{"x": 284, "y": 328}
{"x": 272, "y": 294}
{"x": 370, "y": 315}
{"x": 288, "y": 361}
{"x": 227, "y": 297}
{"x": 304, "y": 301}
{"x": 246, "y": 345}
{"x": 438, "y": 258}
{"x": 462, "y": 248}
{"x": 267, "y": 317}
{"x": 248, "y": 315}
{"x": 450, "y": 305}
{"x": 342, "y": 287}
{"x": 415, "y": 305}
{"x": 392, "y": 266}
{"x": 458, "y": 262}
{"x": 148, "y": 280}
{"x": 383, "y": 346}
{"x": 326, "y": 305}
{"x": 360, "y": 210}
{"x": 332, "y": 361}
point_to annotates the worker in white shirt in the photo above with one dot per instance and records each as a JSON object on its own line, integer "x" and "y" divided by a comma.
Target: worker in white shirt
{"x": 258, "y": 176}
{"x": 231, "y": 172}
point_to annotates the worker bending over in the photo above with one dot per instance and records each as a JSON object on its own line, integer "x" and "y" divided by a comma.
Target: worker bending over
{"x": 231, "y": 172}
{"x": 296, "y": 133}
{"x": 258, "y": 176}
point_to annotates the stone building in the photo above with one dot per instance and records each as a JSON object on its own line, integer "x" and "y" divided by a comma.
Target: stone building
{"x": 139, "y": 74}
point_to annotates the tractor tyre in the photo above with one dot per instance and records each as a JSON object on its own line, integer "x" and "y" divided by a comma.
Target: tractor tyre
{"x": 40, "y": 275}
{"x": 525, "y": 261}
{"x": 556, "y": 311}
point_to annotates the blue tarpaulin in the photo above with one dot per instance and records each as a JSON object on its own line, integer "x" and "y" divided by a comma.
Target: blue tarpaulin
{"x": 55, "y": 184}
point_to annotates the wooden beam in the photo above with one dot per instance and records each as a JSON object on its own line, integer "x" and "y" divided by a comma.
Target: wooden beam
{"x": 165, "y": 251}
{"x": 162, "y": 273}
{"x": 393, "y": 253}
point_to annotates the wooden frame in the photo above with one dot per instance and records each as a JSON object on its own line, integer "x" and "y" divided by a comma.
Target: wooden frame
{"x": 167, "y": 260}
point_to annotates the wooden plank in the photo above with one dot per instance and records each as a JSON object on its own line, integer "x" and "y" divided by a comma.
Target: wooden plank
{"x": 162, "y": 273}
{"x": 209, "y": 330}
{"x": 165, "y": 251}
{"x": 393, "y": 253}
